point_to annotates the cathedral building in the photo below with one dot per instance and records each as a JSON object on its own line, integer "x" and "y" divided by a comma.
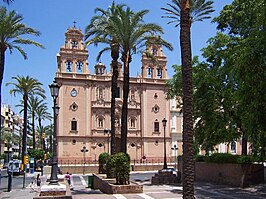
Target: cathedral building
{"x": 84, "y": 118}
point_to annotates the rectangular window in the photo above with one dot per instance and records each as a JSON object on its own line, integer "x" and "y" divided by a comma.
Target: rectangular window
{"x": 117, "y": 93}
{"x": 73, "y": 125}
{"x": 156, "y": 126}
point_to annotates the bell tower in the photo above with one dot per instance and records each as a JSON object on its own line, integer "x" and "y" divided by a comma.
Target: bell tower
{"x": 73, "y": 56}
{"x": 154, "y": 66}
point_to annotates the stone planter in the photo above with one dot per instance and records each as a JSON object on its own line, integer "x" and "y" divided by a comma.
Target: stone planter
{"x": 108, "y": 186}
{"x": 240, "y": 175}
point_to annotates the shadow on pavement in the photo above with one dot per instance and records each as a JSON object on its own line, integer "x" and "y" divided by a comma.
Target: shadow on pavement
{"x": 85, "y": 191}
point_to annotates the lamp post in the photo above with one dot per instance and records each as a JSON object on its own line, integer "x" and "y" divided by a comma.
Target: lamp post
{"x": 84, "y": 150}
{"x": 164, "y": 121}
{"x": 54, "y": 88}
{"x": 108, "y": 132}
{"x": 175, "y": 148}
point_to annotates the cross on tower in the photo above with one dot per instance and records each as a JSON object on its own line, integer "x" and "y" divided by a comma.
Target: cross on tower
{"x": 74, "y": 22}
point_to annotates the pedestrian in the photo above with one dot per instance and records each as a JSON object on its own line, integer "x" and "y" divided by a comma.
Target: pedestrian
{"x": 38, "y": 180}
{"x": 67, "y": 177}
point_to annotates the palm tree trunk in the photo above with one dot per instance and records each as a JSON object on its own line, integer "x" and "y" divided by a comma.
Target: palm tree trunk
{"x": 2, "y": 63}
{"x": 40, "y": 127}
{"x": 114, "y": 55}
{"x": 33, "y": 130}
{"x": 24, "y": 137}
{"x": 124, "y": 125}
{"x": 188, "y": 153}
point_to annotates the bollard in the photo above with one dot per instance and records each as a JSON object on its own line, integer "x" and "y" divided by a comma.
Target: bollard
{"x": 9, "y": 186}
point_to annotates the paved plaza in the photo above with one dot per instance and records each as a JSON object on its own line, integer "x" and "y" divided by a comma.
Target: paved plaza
{"x": 80, "y": 190}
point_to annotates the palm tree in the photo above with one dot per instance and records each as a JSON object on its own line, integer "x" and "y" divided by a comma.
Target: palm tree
{"x": 100, "y": 28}
{"x": 34, "y": 104}
{"x": 11, "y": 31}
{"x": 185, "y": 12}
{"x": 8, "y": 1}
{"x": 42, "y": 114}
{"x": 199, "y": 11}
{"x": 132, "y": 34}
{"x": 26, "y": 86}
{"x": 48, "y": 135}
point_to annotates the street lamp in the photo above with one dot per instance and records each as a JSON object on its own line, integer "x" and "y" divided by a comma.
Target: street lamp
{"x": 164, "y": 121}
{"x": 84, "y": 150}
{"x": 54, "y": 88}
{"x": 175, "y": 148}
{"x": 108, "y": 132}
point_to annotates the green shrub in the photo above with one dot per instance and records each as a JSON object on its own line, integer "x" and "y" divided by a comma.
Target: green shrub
{"x": 201, "y": 158}
{"x": 243, "y": 159}
{"x": 103, "y": 157}
{"x": 223, "y": 158}
{"x": 110, "y": 166}
{"x": 122, "y": 162}
{"x": 118, "y": 166}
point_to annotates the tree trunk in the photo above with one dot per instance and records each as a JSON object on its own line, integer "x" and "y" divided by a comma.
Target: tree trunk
{"x": 40, "y": 127}
{"x": 33, "y": 131}
{"x": 24, "y": 137}
{"x": 114, "y": 55}
{"x": 2, "y": 63}
{"x": 244, "y": 144}
{"x": 188, "y": 152}
{"x": 126, "y": 58}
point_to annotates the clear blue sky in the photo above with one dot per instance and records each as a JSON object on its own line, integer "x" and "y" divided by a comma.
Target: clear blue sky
{"x": 53, "y": 17}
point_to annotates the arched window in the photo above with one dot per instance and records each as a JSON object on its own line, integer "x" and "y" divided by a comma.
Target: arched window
{"x": 154, "y": 51}
{"x": 99, "y": 93}
{"x": 233, "y": 147}
{"x": 159, "y": 72}
{"x": 74, "y": 44}
{"x": 149, "y": 71}
{"x": 132, "y": 95}
{"x": 132, "y": 123}
{"x": 79, "y": 65}
{"x": 69, "y": 66}
{"x": 100, "y": 121}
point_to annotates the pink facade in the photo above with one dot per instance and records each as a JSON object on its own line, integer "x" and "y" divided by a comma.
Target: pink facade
{"x": 85, "y": 104}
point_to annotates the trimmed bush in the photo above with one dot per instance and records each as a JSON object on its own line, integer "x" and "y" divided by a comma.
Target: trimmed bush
{"x": 201, "y": 158}
{"x": 243, "y": 159}
{"x": 122, "y": 168}
{"x": 118, "y": 166}
{"x": 223, "y": 158}
{"x": 103, "y": 157}
{"x": 111, "y": 167}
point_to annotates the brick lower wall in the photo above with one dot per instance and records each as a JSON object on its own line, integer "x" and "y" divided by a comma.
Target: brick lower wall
{"x": 240, "y": 175}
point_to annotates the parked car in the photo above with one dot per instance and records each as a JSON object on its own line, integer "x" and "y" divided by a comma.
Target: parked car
{"x": 173, "y": 170}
